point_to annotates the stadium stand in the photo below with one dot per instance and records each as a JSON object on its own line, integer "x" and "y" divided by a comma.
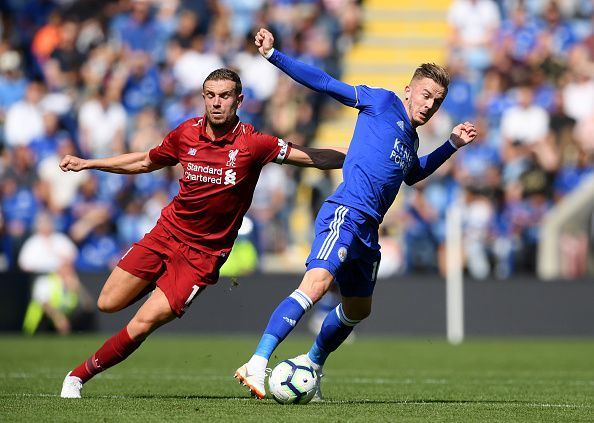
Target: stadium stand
{"x": 101, "y": 78}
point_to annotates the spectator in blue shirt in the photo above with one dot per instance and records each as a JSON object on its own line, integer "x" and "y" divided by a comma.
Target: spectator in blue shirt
{"x": 518, "y": 35}
{"x": 12, "y": 83}
{"x": 46, "y": 144}
{"x": 99, "y": 251}
{"x": 459, "y": 103}
{"x": 557, "y": 35}
{"x": 19, "y": 207}
{"x": 138, "y": 30}
{"x": 142, "y": 86}
{"x": 573, "y": 173}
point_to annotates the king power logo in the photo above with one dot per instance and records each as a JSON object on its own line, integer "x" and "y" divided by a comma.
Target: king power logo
{"x": 401, "y": 156}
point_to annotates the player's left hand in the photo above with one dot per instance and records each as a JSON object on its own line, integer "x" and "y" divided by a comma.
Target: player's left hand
{"x": 463, "y": 134}
{"x": 72, "y": 163}
{"x": 264, "y": 40}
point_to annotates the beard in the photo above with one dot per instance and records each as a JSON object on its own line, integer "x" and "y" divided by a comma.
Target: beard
{"x": 217, "y": 121}
{"x": 221, "y": 121}
{"x": 217, "y": 124}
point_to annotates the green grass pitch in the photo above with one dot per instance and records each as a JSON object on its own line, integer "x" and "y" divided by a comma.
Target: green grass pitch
{"x": 189, "y": 378}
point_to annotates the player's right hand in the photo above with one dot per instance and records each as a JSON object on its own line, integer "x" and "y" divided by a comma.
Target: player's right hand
{"x": 72, "y": 163}
{"x": 264, "y": 41}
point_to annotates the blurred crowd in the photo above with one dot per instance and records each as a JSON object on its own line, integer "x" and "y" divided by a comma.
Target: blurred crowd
{"x": 524, "y": 72}
{"x": 99, "y": 78}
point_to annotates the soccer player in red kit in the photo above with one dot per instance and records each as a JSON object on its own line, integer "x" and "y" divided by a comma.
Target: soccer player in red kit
{"x": 181, "y": 256}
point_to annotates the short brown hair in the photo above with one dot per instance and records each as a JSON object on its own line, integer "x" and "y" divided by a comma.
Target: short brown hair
{"x": 225, "y": 74}
{"x": 433, "y": 72}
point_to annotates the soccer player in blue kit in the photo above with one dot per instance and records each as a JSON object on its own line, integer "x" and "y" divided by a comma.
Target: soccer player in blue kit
{"x": 382, "y": 154}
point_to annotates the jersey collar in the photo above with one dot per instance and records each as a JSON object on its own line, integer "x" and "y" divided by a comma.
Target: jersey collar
{"x": 228, "y": 138}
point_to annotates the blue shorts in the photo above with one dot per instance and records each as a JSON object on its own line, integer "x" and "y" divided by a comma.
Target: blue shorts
{"x": 346, "y": 244}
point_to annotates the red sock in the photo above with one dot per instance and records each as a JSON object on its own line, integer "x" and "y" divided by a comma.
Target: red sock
{"x": 116, "y": 349}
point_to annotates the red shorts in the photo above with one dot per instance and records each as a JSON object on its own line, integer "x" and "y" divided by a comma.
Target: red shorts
{"x": 179, "y": 270}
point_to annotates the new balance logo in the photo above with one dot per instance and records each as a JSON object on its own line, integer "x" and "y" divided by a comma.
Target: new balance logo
{"x": 192, "y": 151}
{"x": 289, "y": 321}
{"x": 230, "y": 177}
{"x": 400, "y": 125}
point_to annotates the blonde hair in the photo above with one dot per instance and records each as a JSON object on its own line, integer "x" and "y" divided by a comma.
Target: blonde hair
{"x": 435, "y": 73}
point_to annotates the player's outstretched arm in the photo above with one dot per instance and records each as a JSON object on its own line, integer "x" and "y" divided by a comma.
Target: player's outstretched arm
{"x": 307, "y": 75}
{"x": 129, "y": 163}
{"x": 322, "y": 158}
{"x": 463, "y": 134}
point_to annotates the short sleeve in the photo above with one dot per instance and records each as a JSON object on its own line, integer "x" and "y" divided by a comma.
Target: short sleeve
{"x": 166, "y": 153}
{"x": 266, "y": 148}
{"x": 373, "y": 101}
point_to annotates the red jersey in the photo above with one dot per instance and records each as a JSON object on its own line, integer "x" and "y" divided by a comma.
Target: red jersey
{"x": 218, "y": 183}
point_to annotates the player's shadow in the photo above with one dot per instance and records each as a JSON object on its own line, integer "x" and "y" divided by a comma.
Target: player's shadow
{"x": 269, "y": 401}
{"x": 190, "y": 397}
{"x": 423, "y": 401}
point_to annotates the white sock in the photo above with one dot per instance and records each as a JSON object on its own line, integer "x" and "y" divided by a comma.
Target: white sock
{"x": 257, "y": 363}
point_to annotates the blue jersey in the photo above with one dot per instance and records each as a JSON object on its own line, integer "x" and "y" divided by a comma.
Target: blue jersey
{"x": 383, "y": 150}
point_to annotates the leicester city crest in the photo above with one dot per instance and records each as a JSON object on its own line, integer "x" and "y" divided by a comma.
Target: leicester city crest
{"x": 342, "y": 254}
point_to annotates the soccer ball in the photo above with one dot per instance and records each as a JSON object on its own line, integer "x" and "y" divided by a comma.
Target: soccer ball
{"x": 292, "y": 382}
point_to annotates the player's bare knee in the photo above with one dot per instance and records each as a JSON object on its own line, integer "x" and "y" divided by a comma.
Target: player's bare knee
{"x": 316, "y": 283}
{"x": 314, "y": 290}
{"x": 107, "y": 305}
